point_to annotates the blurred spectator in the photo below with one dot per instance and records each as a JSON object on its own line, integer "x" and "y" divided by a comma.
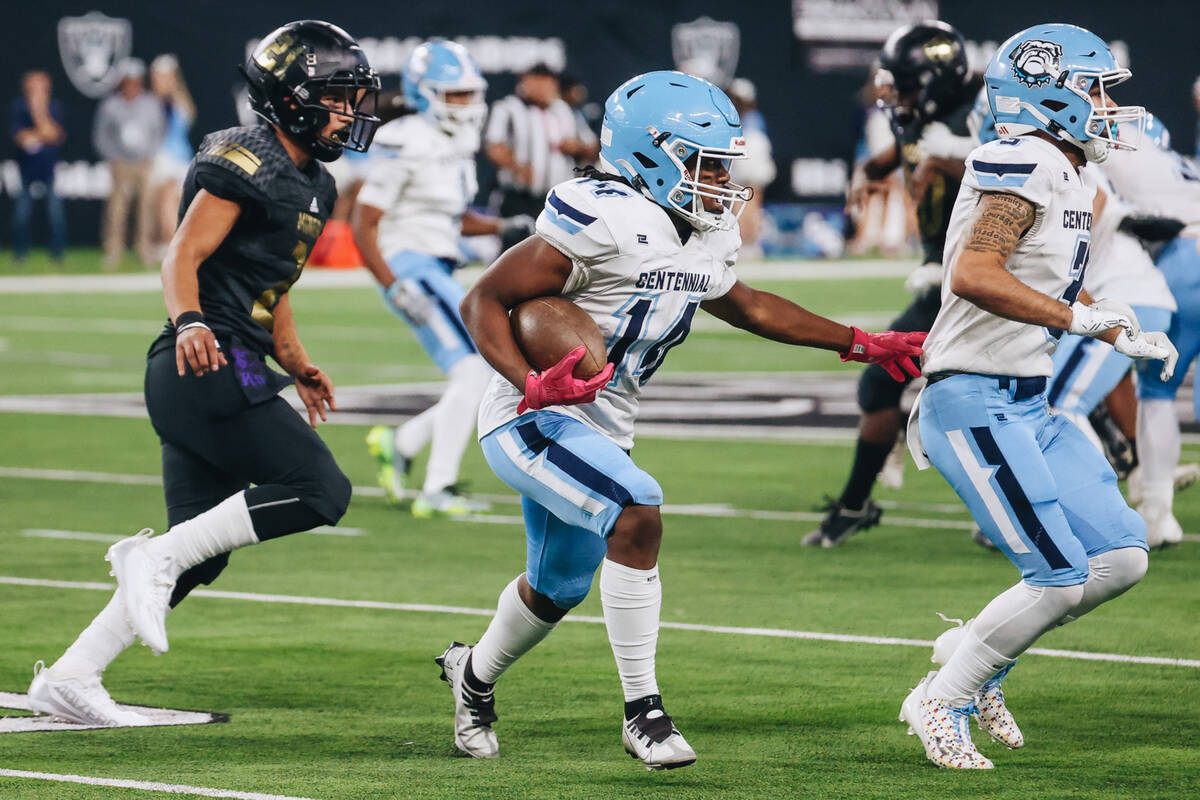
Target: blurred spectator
{"x": 171, "y": 162}
{"x": 128, "y": 133}
{"x": 535, "y": 140}
{"x": 587, "y": 115}
{"x": 1196, "y": 101}
{"x": 37, "y": 132}
{"x": 757, "y": 170}
{"x": 880, "y": 211}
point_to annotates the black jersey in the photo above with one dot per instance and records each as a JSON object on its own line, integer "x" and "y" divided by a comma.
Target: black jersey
{"x": 284, "y": 209}
{"x": 933, "y": 212}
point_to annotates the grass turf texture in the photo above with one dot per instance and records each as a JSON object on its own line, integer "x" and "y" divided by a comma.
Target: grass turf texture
{"x": 344, "y": 703}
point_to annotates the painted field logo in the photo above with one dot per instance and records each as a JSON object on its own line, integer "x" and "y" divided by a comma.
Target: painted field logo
{"x": 91, "y": 47}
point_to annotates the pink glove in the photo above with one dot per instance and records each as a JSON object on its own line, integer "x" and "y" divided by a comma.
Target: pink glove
{"x": 556, "y": 386}
{"x": 887, "y": 349}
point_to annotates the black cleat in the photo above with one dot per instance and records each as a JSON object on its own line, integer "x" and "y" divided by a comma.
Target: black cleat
{"x": 841, "y": 523}
{"x": 650, "y": 734}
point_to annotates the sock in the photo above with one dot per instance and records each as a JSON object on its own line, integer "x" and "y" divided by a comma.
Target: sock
{"x": 225, "y": 527}
{"x": 1109, "y": 575}
{"x": 454, "y": 421}
{"x": 868, "y": 461}
{"x": 102, "y": 641}
{"x": 1159, "y": 440}
{"x": 512, "y": 633}
{"x": 1004, "y": 629}
{"x": 411, "y": 437}
{"x": 632, "y": 600}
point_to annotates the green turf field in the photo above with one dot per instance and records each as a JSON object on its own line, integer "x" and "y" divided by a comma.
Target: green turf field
{"x": 339, "y": 703}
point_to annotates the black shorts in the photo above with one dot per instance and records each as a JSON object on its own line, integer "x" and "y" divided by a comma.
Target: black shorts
{"x": 216, "y": 442}
{"x": 877, "y": 390}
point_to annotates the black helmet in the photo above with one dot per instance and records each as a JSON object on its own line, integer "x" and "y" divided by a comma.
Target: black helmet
{"x": 930, "y": 59}
{"x": 293, "y": 67}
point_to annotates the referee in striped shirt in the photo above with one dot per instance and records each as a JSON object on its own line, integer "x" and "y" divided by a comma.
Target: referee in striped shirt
{"x": 536, "y": 141}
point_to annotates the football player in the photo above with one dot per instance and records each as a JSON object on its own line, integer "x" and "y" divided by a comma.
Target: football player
{"x": 411, "y": 213}
{"x": 639, "y": 247}
{"x": 1156, "y": 181}
{"x": 924, "y": 66}
{"x": 240, "y": 467}
{"x": 1018, "y": 245}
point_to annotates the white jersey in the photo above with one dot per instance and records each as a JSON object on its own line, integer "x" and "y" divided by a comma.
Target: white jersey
{"x": 635, "y": 280}
{"x": 1050, "y": 258}
{"x": 1119, "y": 267}
{"x": 422, "y": 179}
{"x": 1155, "y": 180}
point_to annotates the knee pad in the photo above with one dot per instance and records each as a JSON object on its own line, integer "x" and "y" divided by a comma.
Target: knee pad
{"x": 328, "y": 496}
{"x": 1120, "y": 569}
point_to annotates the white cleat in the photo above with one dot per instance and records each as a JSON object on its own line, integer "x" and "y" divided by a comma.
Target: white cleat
{"x": 1162, "y": 529}
{"x": 448, "y": 502}
{"x": 78, "y": 700}
{"x": 892, "y": 474}
{"x": 1185, "y": 476}
{"x": 993, "y": 715}
{"x": 474, "y": 713}
{"x": 651, "y": 735}
{"x": 942, "y": 728}
{"x": 145, "y": 584}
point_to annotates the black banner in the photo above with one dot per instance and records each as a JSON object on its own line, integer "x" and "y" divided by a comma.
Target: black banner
{"x": 806, "y": 57}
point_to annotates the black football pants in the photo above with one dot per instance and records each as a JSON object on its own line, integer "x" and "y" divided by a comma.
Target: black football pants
{"x": 215, "y": 443}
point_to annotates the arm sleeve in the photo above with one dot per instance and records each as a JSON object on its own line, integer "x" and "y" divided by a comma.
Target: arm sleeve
{"x": 573, "y": 225}
{"x": 1012, "y": 167}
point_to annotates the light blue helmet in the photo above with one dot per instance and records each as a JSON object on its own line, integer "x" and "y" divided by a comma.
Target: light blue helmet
{"x": 436, "y": 68}
{"x": 655, "y": 124}
{"x": 980, "y": 121}
{"x": 1157, "y": 132}
{"x": 1041, "y": 79}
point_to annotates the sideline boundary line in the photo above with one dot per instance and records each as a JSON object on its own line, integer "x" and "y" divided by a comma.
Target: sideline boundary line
{"x": 774, "y": 633}
{"x": 145, "y": 786}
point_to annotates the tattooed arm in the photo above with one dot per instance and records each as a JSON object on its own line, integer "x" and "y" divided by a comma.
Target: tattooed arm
{"x": 979, "y": 274}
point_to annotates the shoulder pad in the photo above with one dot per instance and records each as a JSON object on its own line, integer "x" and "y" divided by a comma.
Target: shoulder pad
{"x": 1017, "y": 166}
{"x": 252, "y": 153}
{"x": 572, "y": 220}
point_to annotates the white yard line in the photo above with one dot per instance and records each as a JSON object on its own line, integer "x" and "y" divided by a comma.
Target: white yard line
{"x": 775, "y": 633}
{"x": 718, "y": 510}
{"x": 145, "y": 786}
{"x": 88, "y": 536}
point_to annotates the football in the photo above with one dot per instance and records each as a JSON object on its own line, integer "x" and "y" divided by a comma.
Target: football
{"x": 548, "y": 328}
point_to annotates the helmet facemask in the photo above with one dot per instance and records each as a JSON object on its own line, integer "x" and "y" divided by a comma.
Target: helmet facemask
{"x": 308, "y": 115}
{"x": 1105, "y": 115}
{"x": 687, "y": 196}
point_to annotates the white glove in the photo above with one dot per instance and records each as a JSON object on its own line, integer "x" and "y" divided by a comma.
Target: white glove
{"x": 924, "y": 278}
{"x": 1102, "y": 315}
{"x": 1149, "y": 345}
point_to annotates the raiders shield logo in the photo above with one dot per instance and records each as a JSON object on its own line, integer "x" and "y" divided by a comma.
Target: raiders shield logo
{"x": 1035, "y": 62}
{"x": 91, "y": 46}
{"x": 707, "y": 49}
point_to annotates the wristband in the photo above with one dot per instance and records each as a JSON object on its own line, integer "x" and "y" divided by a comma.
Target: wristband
{"x": 187, "y": 318}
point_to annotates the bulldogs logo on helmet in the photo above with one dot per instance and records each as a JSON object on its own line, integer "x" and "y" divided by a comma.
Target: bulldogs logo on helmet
{"x": 1035, "y": 61}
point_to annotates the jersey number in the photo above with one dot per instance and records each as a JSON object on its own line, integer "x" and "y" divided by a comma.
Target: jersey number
{"x": 1083, "y": 250}
{"x": 652, "y": 356}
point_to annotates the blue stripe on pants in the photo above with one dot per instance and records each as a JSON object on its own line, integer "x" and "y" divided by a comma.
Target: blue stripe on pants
{"x": 572, "y": 465}
{"x": 1007, "y": 480}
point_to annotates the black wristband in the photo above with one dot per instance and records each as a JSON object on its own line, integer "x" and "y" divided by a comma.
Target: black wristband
{"x": 188, "y": 317}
